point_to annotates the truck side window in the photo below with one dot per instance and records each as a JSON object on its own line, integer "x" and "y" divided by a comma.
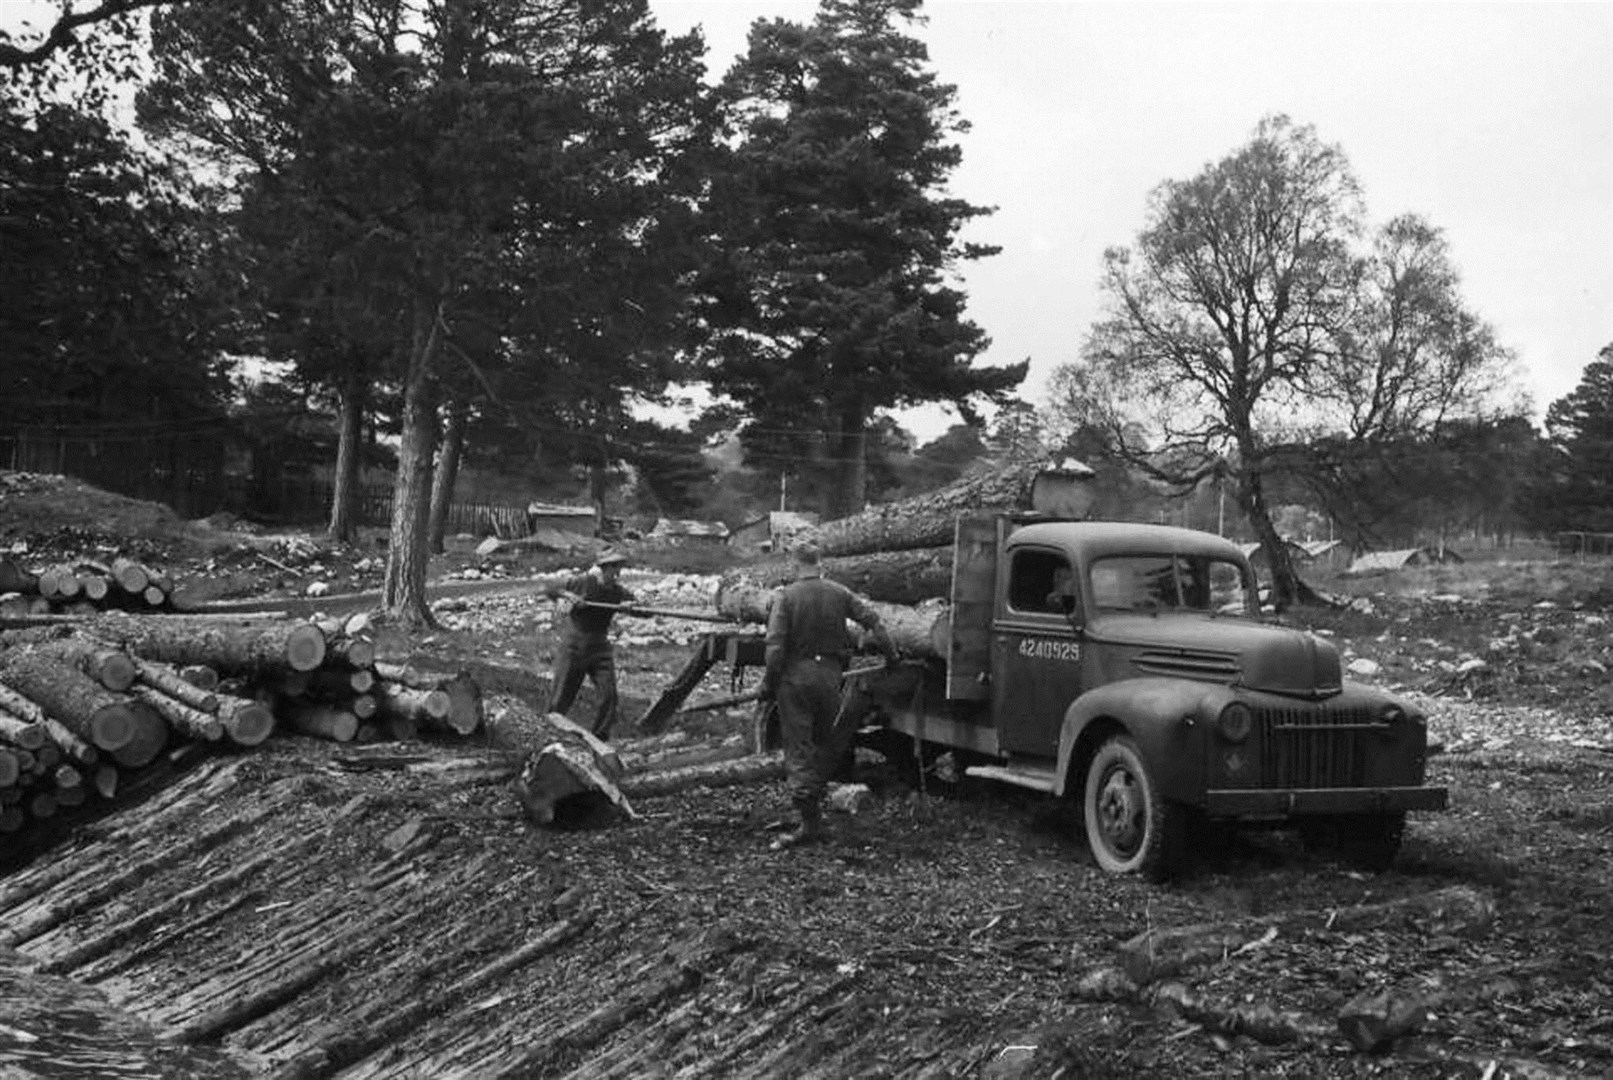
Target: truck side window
{"x": 1041, "y": 582}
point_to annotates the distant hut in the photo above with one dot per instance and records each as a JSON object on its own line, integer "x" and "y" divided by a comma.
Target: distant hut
{"x": 688, "y": 533}
{"x": 1396, "y": 560}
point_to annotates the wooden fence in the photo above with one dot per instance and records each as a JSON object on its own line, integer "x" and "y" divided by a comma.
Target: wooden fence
{"x": 311, "y": 500}
{"x": 1585, "y": 543}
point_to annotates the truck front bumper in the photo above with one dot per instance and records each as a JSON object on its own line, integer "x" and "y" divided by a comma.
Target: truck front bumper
{"x": 1290, "y": 801}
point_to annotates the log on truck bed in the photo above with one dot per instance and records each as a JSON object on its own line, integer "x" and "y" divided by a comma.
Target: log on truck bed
{"x": 1057, "y": 489}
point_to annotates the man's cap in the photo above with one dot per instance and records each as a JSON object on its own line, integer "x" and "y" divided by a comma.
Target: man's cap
{"x": 806, "y": 552}
{"x": 611, "y": 558}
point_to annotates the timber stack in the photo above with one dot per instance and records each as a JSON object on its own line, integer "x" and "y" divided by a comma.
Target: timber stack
{"x": 899, "y": 555}
{"x": 86, "y": 701}
{"x": 84, "y": 587}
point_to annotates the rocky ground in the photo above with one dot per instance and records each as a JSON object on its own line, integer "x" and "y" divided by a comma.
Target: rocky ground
{"x": 965, "y": 931}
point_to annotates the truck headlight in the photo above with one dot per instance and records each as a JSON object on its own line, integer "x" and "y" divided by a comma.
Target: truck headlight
{"x": 1235, "y": 722}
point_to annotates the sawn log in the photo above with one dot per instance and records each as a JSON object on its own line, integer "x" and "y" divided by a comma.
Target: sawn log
{"x": 70, "y": 697}
{"x": 1060, "y": 489}
{"x": 891, "y": 577}
{"x": 248, "y": 648}
{"x": 917, "y": 630}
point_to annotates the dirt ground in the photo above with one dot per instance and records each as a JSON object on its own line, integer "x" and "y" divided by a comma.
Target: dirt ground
{"x": 956, "y": 930}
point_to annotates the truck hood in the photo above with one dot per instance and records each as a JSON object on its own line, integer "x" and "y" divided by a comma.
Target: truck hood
{"x": 1223, "y": 650}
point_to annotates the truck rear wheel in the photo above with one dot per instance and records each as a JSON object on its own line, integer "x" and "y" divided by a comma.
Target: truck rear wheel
{"x": 1130, "y": 827}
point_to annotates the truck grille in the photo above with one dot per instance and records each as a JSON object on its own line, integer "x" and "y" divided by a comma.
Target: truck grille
{"x": 1315, "y": 747}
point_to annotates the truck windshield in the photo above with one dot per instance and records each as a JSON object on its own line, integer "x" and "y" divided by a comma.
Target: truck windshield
{"x": 1179, "y": 582}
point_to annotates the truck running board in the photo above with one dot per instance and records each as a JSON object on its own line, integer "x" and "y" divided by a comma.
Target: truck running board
{"x": 1025, "y": 776}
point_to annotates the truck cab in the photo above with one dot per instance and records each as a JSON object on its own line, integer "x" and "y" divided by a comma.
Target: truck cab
{"x": 1127, "y": 667}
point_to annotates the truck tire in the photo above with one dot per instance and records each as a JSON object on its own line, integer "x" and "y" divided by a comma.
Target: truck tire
{"x": 1130, "y": 827}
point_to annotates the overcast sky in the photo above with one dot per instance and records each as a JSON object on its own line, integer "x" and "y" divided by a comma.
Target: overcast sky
{"x": 1493, "y": 121}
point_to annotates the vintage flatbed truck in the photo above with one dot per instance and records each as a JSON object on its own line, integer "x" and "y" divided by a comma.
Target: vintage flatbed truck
{"x": 1127, "y": 667}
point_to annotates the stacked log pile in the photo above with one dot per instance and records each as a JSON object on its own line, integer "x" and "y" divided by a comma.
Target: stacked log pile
{"x": 83, "y": 588}
{"x": 899, "y": 555}
{"x": 82, "y": 704}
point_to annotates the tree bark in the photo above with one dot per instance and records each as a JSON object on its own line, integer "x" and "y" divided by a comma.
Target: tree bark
{"x": 745, "y": 770}
{"x": 70, "y": 697}
{"x": 1286, "y": 587}
{"x": 849, "y": 492}
{"x": 169, "y": 682}
{"x": 915, "y": 630}
{"x": 929, "y": 520}
{"x": 407, "y": 703}
{"x": 112, "y": 668}
{"x": 892, "y": 577}
{"x": 447, "y": 473}
{"x": 350, "y": 433}
{"x": 403, "y": 590}
{"x": 247, "y": 648}
{"x": 194, "y": 722}
{"x": 325, "y": 721}
{"x": 23, "y": 734}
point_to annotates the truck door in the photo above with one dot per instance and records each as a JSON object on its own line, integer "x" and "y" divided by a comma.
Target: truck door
{"x": 1036, "y": 652}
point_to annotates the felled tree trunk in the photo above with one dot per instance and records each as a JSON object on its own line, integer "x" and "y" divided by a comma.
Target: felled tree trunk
{"x": 245, "y": 648}
{"x": 195, "y": 723}
{"x": 112, "y": 668}
{"x": 150, "y": 738}
{"x": 746, "y": 770}
{"x": 927, "y": 520}
{"x": 70, "y": 697}
{"x": 892, "y": 577}
{"x": 915, "y": 630}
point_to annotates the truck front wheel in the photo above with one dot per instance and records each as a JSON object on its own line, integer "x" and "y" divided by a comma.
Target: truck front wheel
{"x": 1130, "y": 828}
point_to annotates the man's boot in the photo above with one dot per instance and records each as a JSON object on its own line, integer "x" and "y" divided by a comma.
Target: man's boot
{"x": 809, "y": 831}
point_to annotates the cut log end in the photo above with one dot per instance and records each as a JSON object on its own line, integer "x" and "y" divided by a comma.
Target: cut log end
{"x": 149, "y": 739}
{"x": 247, "y": 723}
{"x": 112, "y": 727}
{"x": 305, "y": 647}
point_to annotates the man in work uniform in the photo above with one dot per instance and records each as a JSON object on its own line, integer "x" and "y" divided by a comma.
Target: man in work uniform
{"x": 807, "y": 649}
{"x": 585, "y": 648}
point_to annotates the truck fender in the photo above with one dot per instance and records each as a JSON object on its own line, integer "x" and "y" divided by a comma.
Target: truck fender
{"x": 1165, "y": 717}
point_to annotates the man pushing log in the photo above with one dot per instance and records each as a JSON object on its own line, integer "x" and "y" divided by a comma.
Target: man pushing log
{"x": 807, "y": 649}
